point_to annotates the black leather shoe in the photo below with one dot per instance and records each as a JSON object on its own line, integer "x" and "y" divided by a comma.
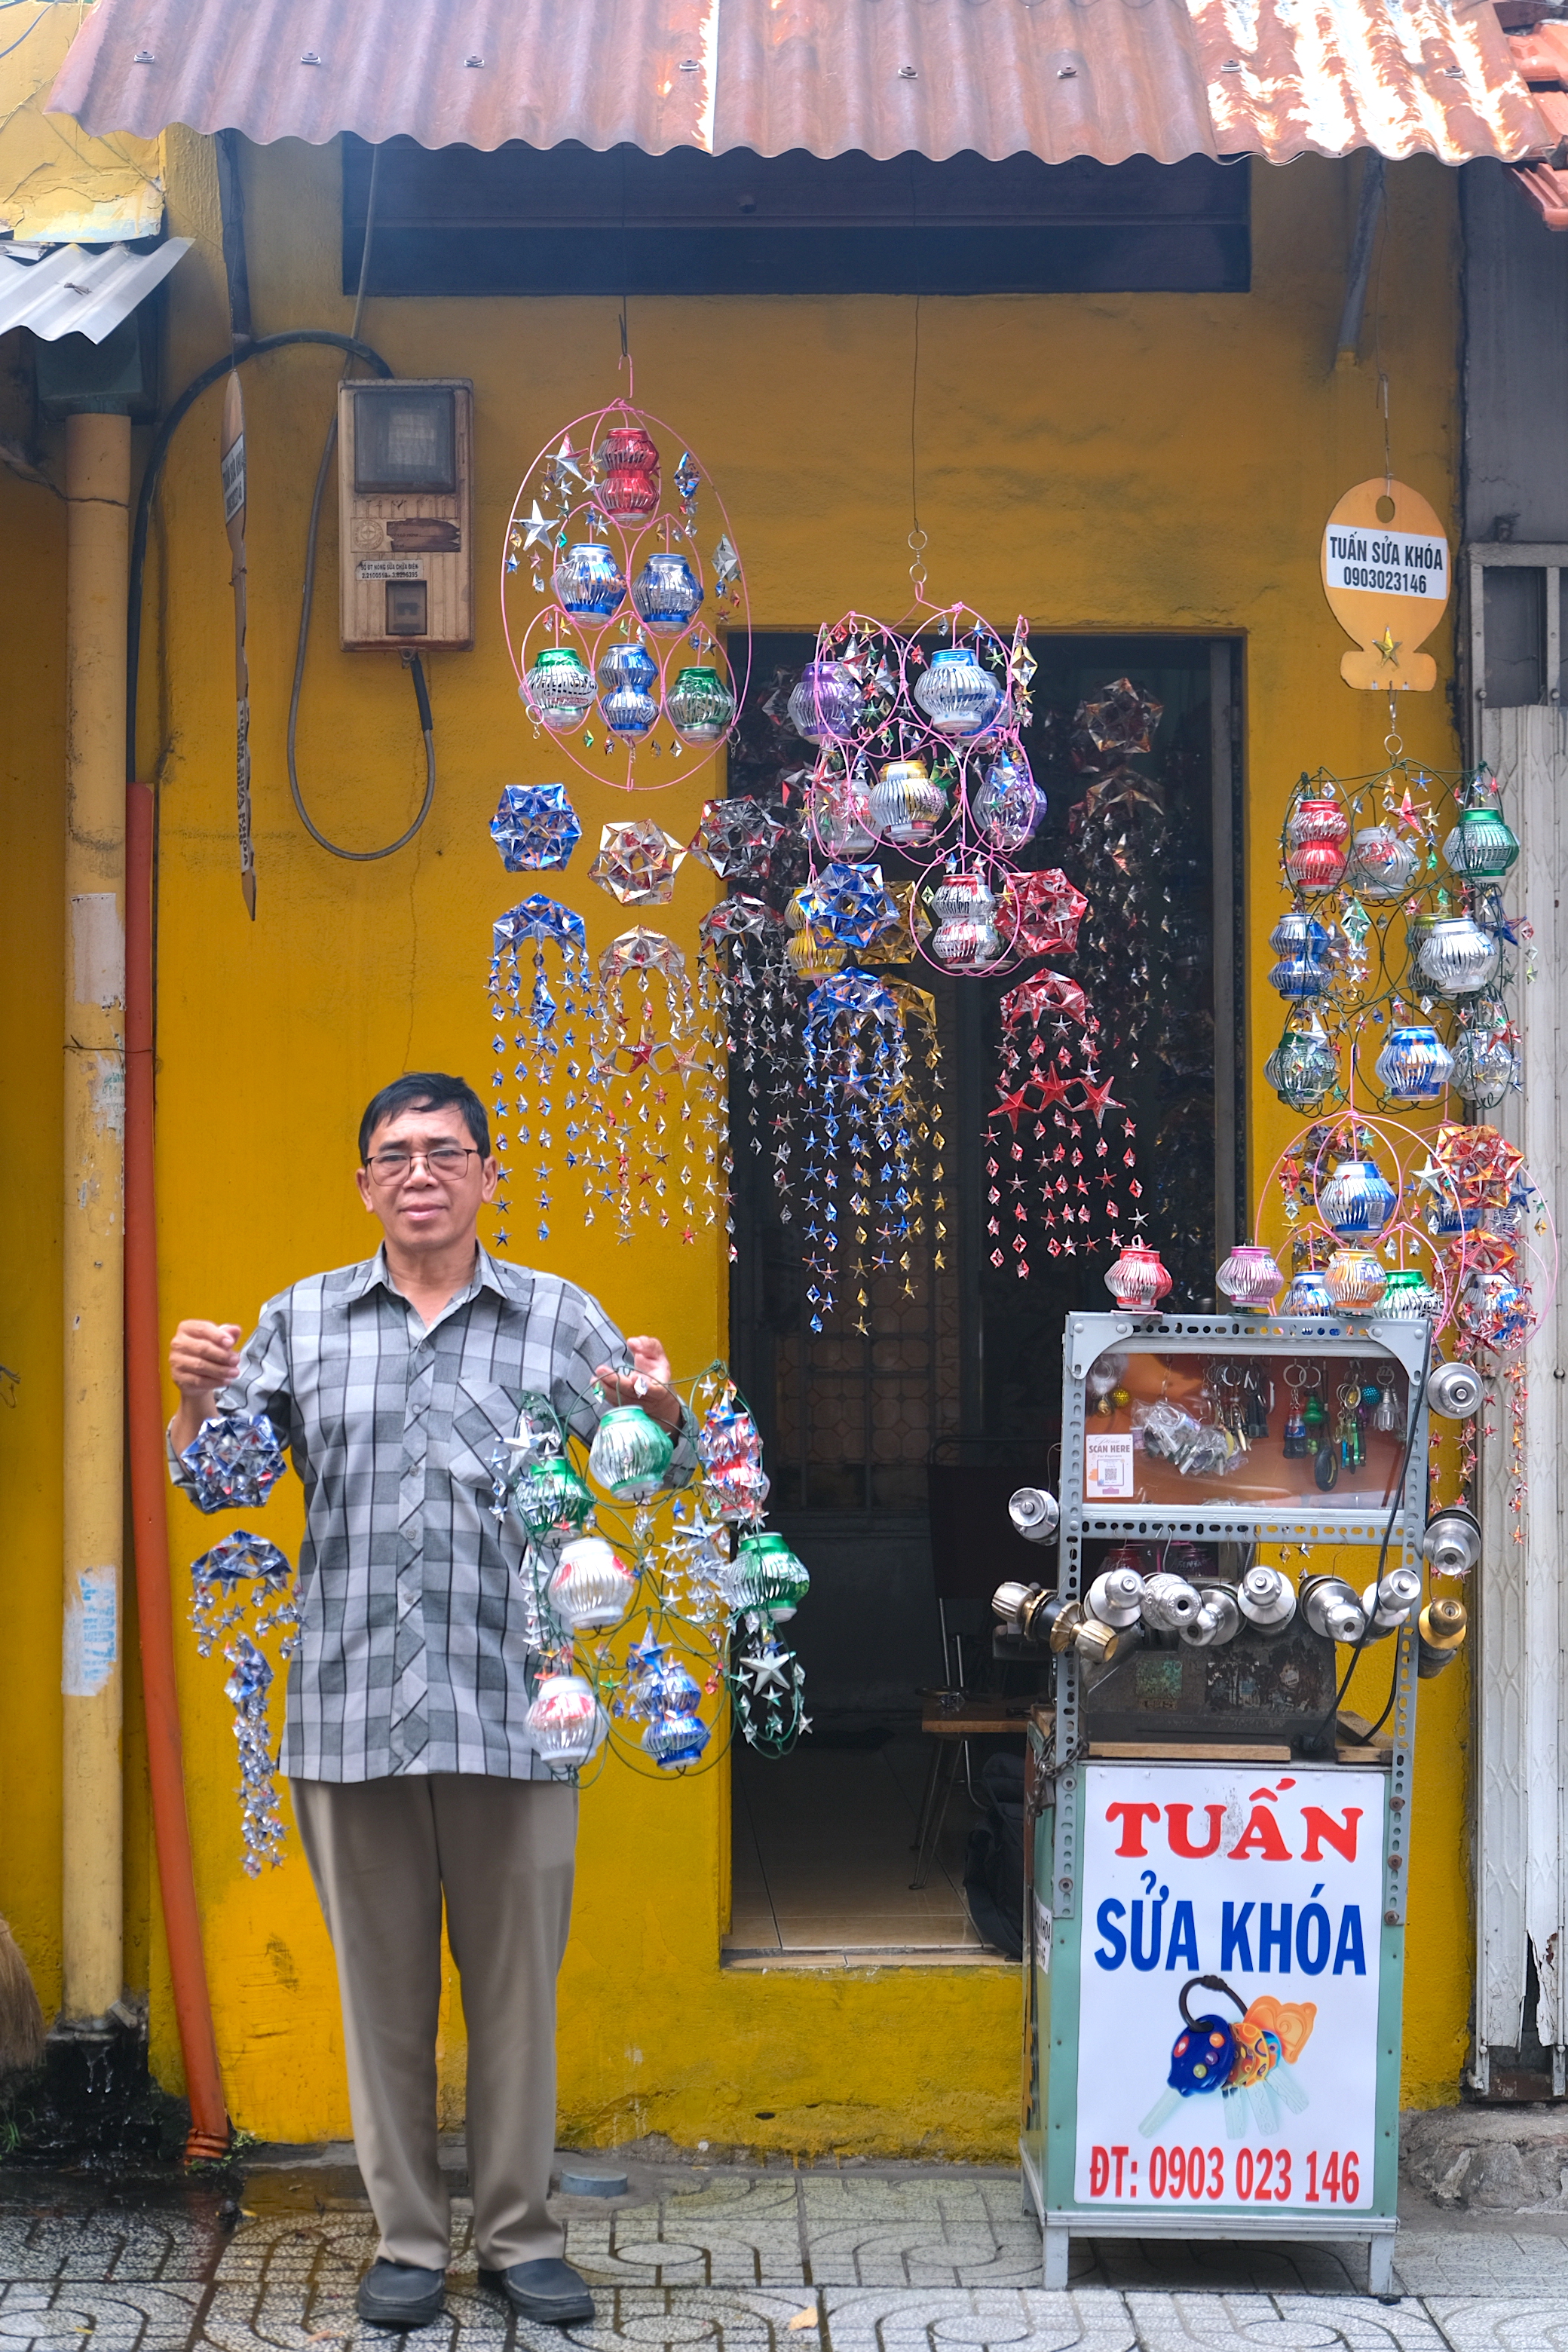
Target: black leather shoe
{"x": 549, "y": 2290}
{"x": 395, "y": 2294}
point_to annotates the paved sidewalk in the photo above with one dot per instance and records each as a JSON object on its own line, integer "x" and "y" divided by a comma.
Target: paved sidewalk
{"x": 899, "y": 2258}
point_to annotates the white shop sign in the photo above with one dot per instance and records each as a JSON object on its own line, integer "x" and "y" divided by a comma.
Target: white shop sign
{"x": 1386, "y": 563}
{"x": 1271, "y": 1880}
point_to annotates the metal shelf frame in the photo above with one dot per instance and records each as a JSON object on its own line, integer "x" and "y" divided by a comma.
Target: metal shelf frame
{"x": 1052, "y": 1926}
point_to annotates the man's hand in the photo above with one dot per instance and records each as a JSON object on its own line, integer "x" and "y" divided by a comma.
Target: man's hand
{"x": 203, "y": 1358}
{"x": 650, "y": 1385}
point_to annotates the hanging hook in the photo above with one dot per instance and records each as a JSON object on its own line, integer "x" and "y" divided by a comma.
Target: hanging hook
{"x": 625, "y": 359}
{"x": 1394, "y": 742}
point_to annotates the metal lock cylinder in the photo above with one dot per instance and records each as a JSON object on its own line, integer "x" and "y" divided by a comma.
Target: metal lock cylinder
{"x": 1454, "y": 1391}
{"x": 1331, "y": 1609}
{"x": 1170, "y": 1603}
{"x": 1218, "y": 1621}
{"x": 1452, "y": 1543}
{"x": 1036, "y": 1515}
{"x": 1440, "y": 1632}
{"x": 1026, "y": 1610}
{"x": 1072, "y": 1629}
{"x": 1390, "y": 1602}
{"x": 1267, "y": 1599}
{"x": 1011, "y": 1603}
{"x": 1116, "y": 1598}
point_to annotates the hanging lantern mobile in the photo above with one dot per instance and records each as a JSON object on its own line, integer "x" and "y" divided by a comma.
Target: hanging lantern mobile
{"x": 621, "y": 591}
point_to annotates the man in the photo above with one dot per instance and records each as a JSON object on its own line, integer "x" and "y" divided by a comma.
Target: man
{"x": 410, "y": 1766}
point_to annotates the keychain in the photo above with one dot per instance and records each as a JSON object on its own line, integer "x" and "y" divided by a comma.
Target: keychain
{"x": 1348, "y": 1432}
{"x": 1252, "y": 1407}
{"x": 1230, "y": 1404}
{"x": 1295, "y": 1427}
{"x": 1315, "y": 1413}
{"x": 1385, "y": 1418}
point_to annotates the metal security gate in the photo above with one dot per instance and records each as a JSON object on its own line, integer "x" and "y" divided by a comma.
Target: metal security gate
{"x": 1515, "y": 653}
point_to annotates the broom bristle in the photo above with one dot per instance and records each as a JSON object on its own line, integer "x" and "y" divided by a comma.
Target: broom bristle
{"x": 21, "y": 2017}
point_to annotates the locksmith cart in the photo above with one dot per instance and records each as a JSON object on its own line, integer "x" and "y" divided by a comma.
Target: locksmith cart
{"x": 1215, "y": 1942}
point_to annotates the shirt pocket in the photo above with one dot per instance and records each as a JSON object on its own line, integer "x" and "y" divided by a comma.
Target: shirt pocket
{"x": 483, "y": 1417}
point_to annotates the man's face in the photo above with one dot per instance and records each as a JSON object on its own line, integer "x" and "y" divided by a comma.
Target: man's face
{"x": 423, "y": 1203}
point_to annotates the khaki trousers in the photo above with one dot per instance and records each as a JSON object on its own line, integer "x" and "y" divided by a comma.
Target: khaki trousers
{"x": 382, "y": 1855}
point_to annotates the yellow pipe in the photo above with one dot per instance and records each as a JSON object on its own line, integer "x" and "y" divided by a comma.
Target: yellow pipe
{"x": 97, "y": 486}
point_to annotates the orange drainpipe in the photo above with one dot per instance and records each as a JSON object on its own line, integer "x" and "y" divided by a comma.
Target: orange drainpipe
{"x": 210, "y": 2131}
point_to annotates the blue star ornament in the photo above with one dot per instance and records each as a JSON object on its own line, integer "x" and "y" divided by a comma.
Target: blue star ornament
{"x": 535, "y": 827}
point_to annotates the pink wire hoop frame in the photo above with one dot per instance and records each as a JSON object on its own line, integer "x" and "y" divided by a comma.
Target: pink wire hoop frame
{"x": 577, "y": 516}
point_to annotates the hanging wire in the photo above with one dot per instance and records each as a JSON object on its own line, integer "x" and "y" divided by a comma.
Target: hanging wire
{"x": 918, "y": 541}
{"x": 307, "y": 597}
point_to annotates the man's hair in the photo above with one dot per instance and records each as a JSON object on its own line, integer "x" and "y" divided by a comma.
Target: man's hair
{"x": 425, "y": 1090}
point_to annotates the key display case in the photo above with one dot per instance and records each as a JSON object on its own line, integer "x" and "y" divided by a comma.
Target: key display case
{"x": 1215, "y": 1855}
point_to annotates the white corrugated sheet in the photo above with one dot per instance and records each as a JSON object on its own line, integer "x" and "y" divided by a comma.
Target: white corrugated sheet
{"x": 66, "y": 290}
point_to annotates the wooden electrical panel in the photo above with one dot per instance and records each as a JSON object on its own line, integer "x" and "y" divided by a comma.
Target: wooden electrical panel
{"x": 405, "y": 514}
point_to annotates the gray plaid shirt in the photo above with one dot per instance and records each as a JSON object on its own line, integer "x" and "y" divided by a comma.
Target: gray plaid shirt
{"x": 411, "y": 1656}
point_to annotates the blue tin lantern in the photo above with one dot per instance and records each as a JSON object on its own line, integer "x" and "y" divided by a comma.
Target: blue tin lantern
{"x": 627, "y": 675}
{"x": 1304, "y": 948}
{"x": 1414, "y": 1064}
{"x": 667, "y": 592}
{"x": 1308, "y": 1293}
{"x": 588, "y": 581}
{"x": 1358, "y": 1201}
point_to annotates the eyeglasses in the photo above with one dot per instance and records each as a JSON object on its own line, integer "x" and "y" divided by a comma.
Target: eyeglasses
{"x": 447, "y": 1160}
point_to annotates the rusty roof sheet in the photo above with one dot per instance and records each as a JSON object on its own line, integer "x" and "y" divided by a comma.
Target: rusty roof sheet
{"x": 1288, "y": 77}
{"x": 1541, "y": 56}
{"x": 1050, "y": 77}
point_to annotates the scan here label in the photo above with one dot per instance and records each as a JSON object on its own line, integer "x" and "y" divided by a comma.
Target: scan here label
{"x": 1260, "y": 2090}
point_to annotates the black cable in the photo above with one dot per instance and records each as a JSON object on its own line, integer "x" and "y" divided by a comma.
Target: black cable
{"x": 307, "y": 601}
{"x": 1361, "y": 1737}
{"x": 308, "y": 598}
{"x": 153, "y": 474}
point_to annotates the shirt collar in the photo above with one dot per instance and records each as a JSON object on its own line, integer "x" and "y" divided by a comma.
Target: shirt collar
{"x": 486, "y": 1276}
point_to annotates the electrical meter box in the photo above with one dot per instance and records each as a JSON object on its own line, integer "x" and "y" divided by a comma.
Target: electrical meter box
{"x": 405, "y": 514}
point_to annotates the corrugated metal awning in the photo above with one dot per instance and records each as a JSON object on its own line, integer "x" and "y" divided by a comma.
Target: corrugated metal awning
{"x": 1048, "y": 78}
{"x": 68, "y": 290}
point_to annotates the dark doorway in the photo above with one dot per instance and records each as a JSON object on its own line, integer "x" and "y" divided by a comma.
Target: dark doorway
{"x": 965, "y": 1375}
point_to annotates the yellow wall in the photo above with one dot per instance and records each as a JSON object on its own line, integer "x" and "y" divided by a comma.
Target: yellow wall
{"x": 1102, "y": 463}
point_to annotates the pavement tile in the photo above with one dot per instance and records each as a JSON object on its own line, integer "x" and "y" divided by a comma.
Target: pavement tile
{"x": 1501, "y": 2261}
{"x": 61, "y": 2245}
{"x": 941, "y": 2260}
{"x": 1515, "y": 2323}
{"x": 654, "y": 2318}
{"x": 134, "y": 2318}
{"x": 320, "y": 2320}
{"x": 735, "y": 2233}
{"x": 1281, "y": 2323}
{"x": 976, "y": 2320}
{"x": 285, "y": 2246}
{"x": 938, "y": 2235}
